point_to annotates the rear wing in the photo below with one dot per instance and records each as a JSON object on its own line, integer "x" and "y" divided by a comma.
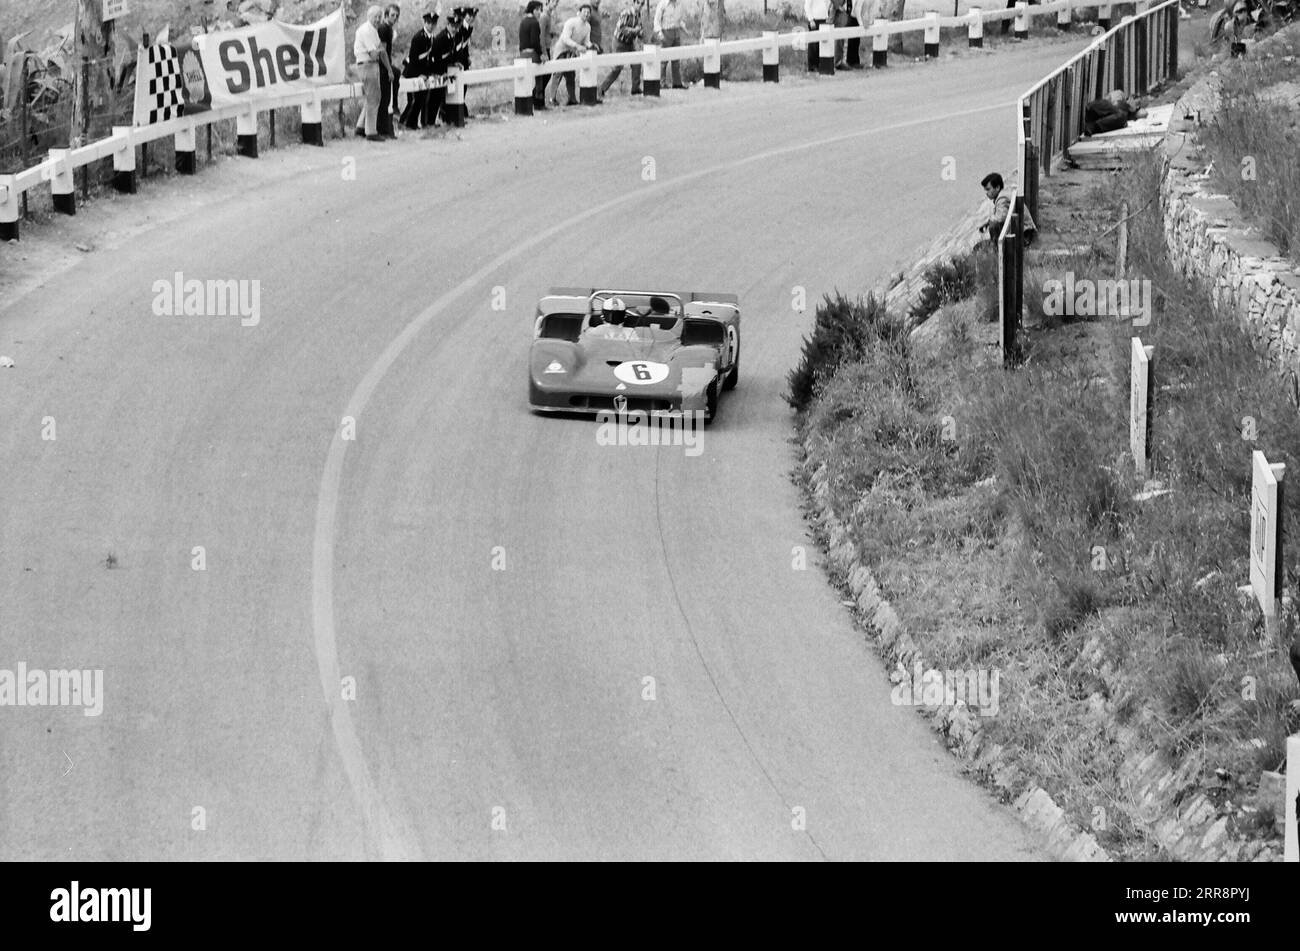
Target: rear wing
{"x": 713, "y": 297}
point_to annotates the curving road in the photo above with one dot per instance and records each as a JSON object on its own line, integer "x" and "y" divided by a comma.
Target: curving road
{"x": 484, "y": 697}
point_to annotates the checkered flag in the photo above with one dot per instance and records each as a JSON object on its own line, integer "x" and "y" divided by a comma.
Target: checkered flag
{"x": 159, "y": 84}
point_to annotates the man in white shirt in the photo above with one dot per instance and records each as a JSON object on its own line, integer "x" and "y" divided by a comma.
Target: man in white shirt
{"x": 816, "y": 12}
{"x": 670, "y": 18}
{"x": 366, "y": 51}
{"x": 574, "y": 40}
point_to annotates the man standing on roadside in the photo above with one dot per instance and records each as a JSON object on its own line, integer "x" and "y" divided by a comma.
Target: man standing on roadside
{"x": 627, "y": 39}
{"x": 597, "y": 41}
{"x": 574, "y": 40}
{"x": 419, "y": 62}
{"x": 530, "y": 48}
{"x": 388, "y": 76}
{"x": 367, "y": 51}
{"x": 816, "y": 12}
{"x": 670, "y": 18}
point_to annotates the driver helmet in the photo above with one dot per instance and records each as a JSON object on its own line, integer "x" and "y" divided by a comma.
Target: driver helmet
{"x": 614, "y": 311}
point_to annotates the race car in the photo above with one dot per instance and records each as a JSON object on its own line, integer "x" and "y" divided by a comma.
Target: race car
{"x": 656, "y": 352}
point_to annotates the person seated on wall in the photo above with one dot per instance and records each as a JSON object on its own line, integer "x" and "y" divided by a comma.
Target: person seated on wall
{"x": 994, "y": 191}
{"x": 1110, "y": 114}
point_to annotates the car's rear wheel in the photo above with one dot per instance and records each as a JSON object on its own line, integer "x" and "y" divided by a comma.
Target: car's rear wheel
{"x": 711, "y": 400}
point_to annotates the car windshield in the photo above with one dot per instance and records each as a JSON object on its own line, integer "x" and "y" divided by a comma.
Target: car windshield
{"x": 660, "y": 309}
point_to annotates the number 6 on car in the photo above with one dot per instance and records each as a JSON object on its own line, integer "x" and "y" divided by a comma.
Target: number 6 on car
{"x": 657, "y": 352}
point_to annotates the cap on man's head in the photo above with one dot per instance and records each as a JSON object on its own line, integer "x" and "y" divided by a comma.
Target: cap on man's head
{"x": 1241, "y": 7}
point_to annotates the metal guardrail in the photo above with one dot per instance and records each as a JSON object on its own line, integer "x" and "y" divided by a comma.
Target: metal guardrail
{"x": 1135, "y": 55}
{"x": 58, "y": 167}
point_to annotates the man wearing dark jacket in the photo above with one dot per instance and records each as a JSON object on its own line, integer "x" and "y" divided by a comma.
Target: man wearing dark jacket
{"x": 444, "y": 49}
{"x": 1109, "y": 114}
{"x": 419, "y": 62}
{"x": 530, "y": 48}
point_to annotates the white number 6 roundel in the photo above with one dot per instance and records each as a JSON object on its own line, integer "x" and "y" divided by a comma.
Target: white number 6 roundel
{"x": 641, "y": 372}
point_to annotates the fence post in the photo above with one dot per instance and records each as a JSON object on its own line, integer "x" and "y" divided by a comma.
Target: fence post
{"x": 524, "y": 83}
{"x": 1063, "y": 16}
{"x": 975, "y": 29}
{"x": 1121, "y": 242}
{"x": 1139, "y": 406}
{"x": 83, "y": 134}
{"x": 1291, "y": 838}
{"x": 771, "y": 58}
{"x": 313, "y": 132}
{"x": 186, "y": 161}
{"x": 8, "y": 209}
{"x": 246, "y": 133}
{"x": 24, "y": 130}
{"x": 455, "y": 101}
{"x": 652, "y": 72}
{"x": 1021, "y": 29}
{"x": 272, "y": 123}
{"x": 1140, "y": 43}
{"x": 1103, "y": 16}
{"x": 879, "y": 45}
{"x": 825, "y": 51}
{"x": 712, "y": 63}
{"x": 62, "y": 185}
{"x": 587, "y": 78}
{"x": 931, "y": 35}
{"x": 123, "y": 160}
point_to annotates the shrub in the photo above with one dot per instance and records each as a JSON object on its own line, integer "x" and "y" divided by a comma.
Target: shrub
{"x": 842, "y": 331}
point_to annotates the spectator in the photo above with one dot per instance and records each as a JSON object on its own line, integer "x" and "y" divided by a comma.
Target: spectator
{"x": 993, "y": 191}
{"x": 461, "y": 57}
{"x": 442, "y": 55}
{"x": 597, "y": 27}
{"x": 547, "y": 23}
{"x": 1109, "y": 114}
{"x": 1248, "y": 21}
{"x": 368, "y": 51}
{"x": 669, "y": 20}
{"x": 389, "y": 96}
{"x": 816, "y": 12}
{"x": 713, "y": 17}
{"x": 840, "y": 17}
{"x": 419, "y": 62}
{"x": 384, "y": 115}
{"x": 575, "y": 38}
{"x": 530, "y": 48}
{"x": 627, "y": 39}
{"x": 858, "y": 10}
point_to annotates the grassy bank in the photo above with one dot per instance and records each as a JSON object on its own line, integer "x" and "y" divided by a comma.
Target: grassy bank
{"x": 996, "y": 510}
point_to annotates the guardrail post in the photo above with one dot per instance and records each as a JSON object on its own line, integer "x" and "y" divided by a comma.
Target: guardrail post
{"x": 183, "y": 145}
{"x": 1063, "y": 16}
{"x": 62, "y": 184}
{"x": 932, "y": 35}
{"x": 771, "y": 58}
{"x": 9, "y": 213}
{"x": 975, "y": 30}
{"x": 712, "y": 63}
{"x": 313, "y": 130}
{"x": 825, "y": 51}
{"x": 652, "y": 71}
{"x": 587, "y": 79}
{"x": 879, "y": 45}
{"x": 1141, "y": 48}
{"x": 1020, "y": 30}
{"x": 524, "y": 87}
{"x": 1103, "y": 16}
{"x": 1291, "y": 837}
{"x": 246, "y": 133}
{"x": 123, "y": 160}
{"x": 455, "y": 101}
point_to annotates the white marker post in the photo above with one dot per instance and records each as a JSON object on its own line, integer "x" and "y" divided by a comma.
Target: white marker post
{"x": 62, "y": 184}
{"x": 123, "y": 160}
{"x": 825, "y": 51}
{"x": 1121, "y": 242}
{"x": 1139, "y": 417}
{"x": 712, "y": 63}
{"x": 771, "y": 57}
{"x": 1103, "y": 16}
{"x": 651, "y": 73}
{"x": 1266, "y": 534}
{"x": 1021, "y": 28}
{"x": 975, "y": 31}
{"x": 524, "y": 87}
{"x": 246, "y": 133}
{"x": 1063, "y": 16}
{"x": 932, "y": 35}
{"x": 587, "y": 78}
{"x": 879, "y": 45}
{"x": 1291, "y": 839}
{"x": 9, "y": 209}
{"x": 313, "y": 131}
{"x": 455, "y": 100}
{"x": 183, "y": 146}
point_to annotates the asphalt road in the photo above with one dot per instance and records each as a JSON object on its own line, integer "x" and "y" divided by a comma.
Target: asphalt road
{"x": 484, "y": 697}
